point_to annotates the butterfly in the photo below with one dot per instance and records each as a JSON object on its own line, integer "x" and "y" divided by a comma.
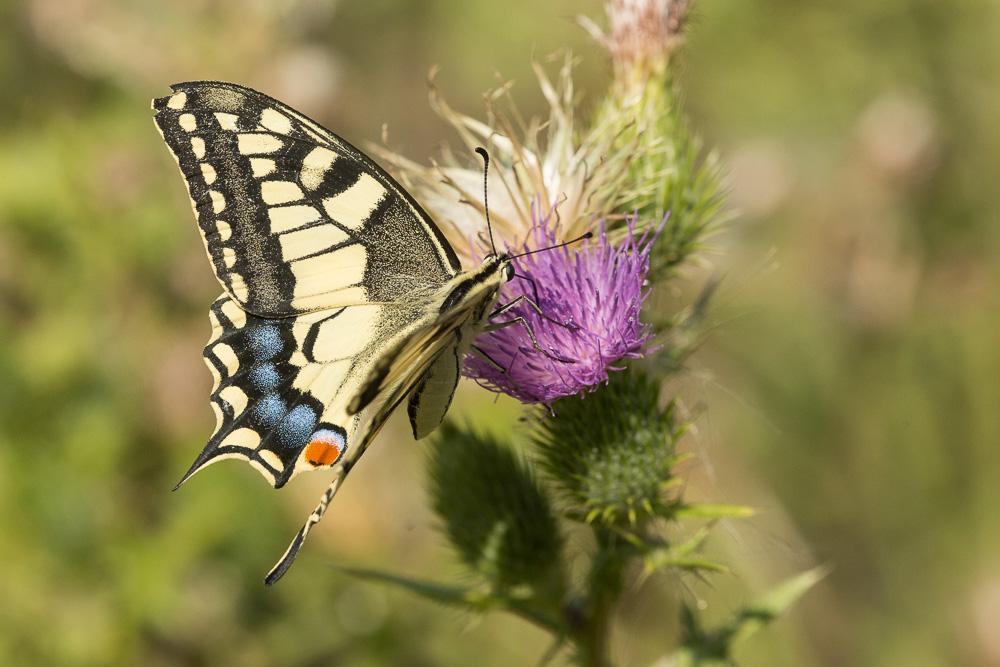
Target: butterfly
{"x": 341, "y": 297}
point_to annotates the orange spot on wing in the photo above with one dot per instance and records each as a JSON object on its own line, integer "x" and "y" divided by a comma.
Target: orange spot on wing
{"x": 320, "y": 453}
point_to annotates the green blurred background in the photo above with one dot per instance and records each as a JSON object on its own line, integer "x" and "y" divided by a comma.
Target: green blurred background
{"x": 852, "y": 380}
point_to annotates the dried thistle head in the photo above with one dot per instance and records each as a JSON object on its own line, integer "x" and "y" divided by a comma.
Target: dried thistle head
{"x": 553, "y": 163}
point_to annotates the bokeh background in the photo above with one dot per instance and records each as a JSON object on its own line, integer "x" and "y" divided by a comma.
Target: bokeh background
{"x": 851, "y": 383}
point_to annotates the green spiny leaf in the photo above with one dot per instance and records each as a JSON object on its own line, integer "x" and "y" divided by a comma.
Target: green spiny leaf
{"x": 774, "y": 603}
{"x": 702, "y": 647}
{"x": 472, "y": 599}
{"x": 497, "y": 517}
{"x": 712, "y": 511}
{"x": 468, "y": 598}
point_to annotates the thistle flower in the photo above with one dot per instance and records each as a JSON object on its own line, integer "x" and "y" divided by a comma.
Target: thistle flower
{"x": 634, "y": 153}
{"x": 586, "y": 323}
{"x": 642, "y": 35}
{"x": 669, "y": 169}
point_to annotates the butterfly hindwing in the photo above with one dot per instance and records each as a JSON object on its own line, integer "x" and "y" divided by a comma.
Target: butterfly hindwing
{"x": 285, "y": 389}
{"x": 407, "y": 366}
{"x": 270, "y": 401}
{"x": 293, "y": 217}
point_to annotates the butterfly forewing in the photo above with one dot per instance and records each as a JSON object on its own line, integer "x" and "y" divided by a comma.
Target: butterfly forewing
{"x": 294, "y": 218}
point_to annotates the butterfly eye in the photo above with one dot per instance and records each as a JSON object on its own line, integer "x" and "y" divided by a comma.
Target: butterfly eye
{"x": 508, "y": 271}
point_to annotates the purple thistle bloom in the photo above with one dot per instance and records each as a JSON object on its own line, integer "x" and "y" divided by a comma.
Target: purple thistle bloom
{"x": 590, "y": 298}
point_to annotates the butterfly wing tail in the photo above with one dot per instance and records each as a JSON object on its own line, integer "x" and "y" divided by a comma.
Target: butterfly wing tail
{"x": 377, "y": 420}
{"x": 315, "y": 517}
{"x": 340, "y": 472}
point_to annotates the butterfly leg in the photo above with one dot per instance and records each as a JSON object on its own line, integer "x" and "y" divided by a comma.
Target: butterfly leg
{"x": 534, "y": 303}
{"x": 496, "y": 326}
{"x": 534, "y": 285}
{"x": 490, "y": 360}
{"x": 501, "y": 309}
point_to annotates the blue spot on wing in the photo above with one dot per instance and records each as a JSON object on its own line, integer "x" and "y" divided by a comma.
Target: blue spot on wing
{"x": 265, "y": 377}
{"x": 295, "y": 429}
{"x": 269, "y": 410}
{"x": 265, "y": 342}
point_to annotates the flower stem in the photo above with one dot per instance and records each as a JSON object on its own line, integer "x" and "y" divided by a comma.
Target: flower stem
{"x": 605, "y": 585}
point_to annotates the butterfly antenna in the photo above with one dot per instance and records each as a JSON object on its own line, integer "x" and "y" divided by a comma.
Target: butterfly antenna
{"x": 486, "y": 189}
{"x": 556, "y": 246}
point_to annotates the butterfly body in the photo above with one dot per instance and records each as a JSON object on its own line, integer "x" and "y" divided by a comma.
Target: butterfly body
{"x": 469, "y": 300}
{"x": 341, "y": 297}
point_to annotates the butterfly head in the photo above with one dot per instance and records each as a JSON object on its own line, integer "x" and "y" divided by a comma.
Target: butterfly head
{"x": 501, "y": 264}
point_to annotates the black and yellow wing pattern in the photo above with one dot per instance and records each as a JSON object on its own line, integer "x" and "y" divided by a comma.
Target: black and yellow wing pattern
{"x": 293, "y": 217}
{"x": 331, "y": 274}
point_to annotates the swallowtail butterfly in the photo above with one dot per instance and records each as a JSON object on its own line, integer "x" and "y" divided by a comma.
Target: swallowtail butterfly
{"x": 341, "y": 297}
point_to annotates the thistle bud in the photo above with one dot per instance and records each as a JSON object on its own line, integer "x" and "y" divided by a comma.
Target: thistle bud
{"x": 612, "y": 453}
